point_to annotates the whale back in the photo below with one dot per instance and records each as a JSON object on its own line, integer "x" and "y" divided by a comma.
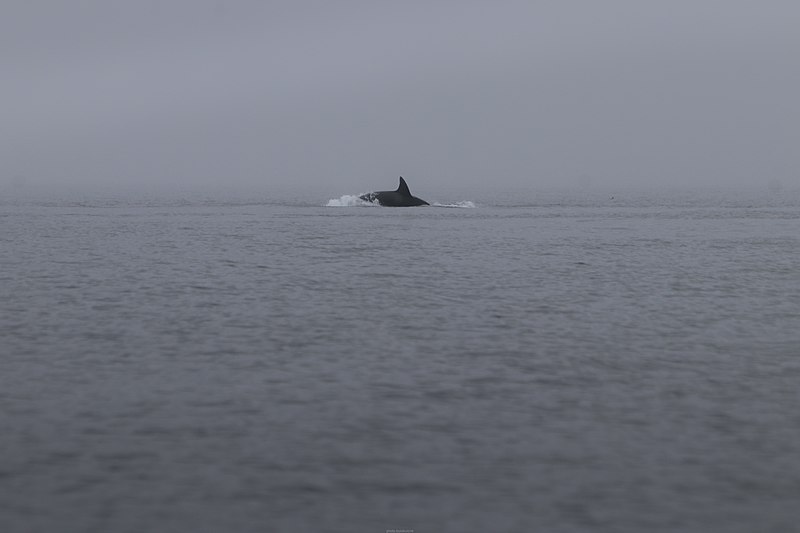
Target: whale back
{"x": 399, "y": 198}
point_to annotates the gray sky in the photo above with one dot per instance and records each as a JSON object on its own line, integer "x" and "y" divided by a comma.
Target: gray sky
{"x": 348, "y": 95}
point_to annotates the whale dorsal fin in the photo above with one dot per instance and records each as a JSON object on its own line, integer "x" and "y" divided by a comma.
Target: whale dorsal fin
{"x": 403, "y": 188}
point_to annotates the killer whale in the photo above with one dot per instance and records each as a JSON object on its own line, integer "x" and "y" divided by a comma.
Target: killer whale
{"x": 399, "y": 198}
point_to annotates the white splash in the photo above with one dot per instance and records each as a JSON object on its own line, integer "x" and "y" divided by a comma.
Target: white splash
{"x": 466, "y": 204}
{"x": 348, "y": 200}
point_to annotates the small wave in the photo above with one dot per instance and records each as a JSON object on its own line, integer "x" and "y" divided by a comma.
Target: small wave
{"x": 466, "y": 204}
{"x": 348, "y": 200}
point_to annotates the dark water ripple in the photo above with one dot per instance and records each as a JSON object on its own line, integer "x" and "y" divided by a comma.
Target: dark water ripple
{"x": 573, "y": 366}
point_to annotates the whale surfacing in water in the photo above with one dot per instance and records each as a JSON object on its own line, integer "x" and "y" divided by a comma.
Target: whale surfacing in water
{"x": 399, "y": 198}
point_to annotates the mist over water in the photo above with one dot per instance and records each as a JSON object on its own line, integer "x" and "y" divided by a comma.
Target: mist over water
{"x": 593, "y": 326}
{"x": 561, "y": 361}
{"x": 187, "y": 94}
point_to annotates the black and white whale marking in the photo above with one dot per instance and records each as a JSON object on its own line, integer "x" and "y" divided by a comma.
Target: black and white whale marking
{"x": 399, "y": 198}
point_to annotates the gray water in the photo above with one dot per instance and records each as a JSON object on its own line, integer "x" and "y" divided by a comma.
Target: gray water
{"x": 553, "y": 362}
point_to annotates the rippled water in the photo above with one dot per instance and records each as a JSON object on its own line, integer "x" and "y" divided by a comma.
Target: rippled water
{"x": 541, "y": 362}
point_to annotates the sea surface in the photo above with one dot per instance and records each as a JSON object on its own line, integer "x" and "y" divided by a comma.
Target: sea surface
{"x": 555, "y": 361}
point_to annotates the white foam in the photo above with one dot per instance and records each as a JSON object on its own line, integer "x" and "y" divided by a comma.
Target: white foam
{"x": 348, "y": 200}
{"x": 466, "y": 204}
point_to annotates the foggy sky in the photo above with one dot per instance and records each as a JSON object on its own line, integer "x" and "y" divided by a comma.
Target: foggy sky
{"x": 348, "y": 95}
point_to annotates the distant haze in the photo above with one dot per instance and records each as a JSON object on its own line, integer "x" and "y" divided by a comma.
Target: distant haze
{"x": 346, "y": 96}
